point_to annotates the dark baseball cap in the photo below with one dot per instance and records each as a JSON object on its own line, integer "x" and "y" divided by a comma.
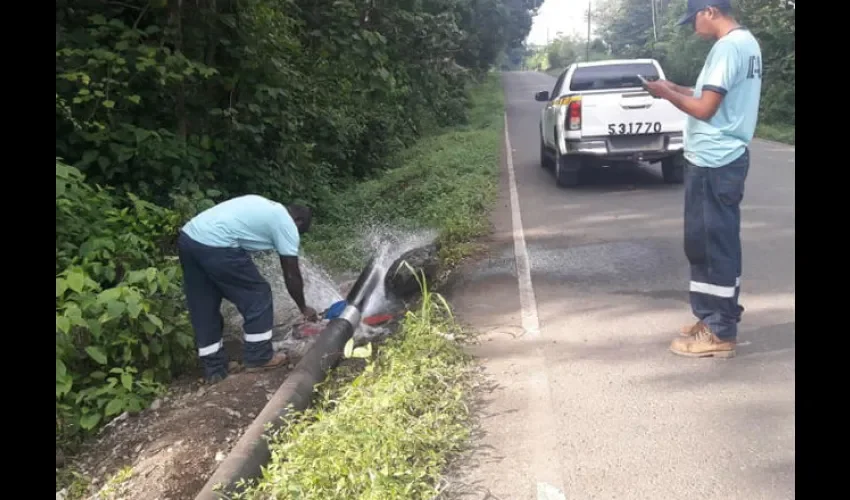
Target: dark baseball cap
{"x": 695, "y": 6}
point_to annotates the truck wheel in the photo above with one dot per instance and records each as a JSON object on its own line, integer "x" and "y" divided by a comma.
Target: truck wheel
{"x": 673, "y": 169}
{"x": 545, "y": 163}
{"x": 567, "y": 177}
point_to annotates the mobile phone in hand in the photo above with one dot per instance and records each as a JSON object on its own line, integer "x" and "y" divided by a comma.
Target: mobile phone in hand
{"x": 644, "y": 81}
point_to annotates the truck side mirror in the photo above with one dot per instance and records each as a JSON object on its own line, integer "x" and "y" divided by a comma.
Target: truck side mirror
{"x": 542, "y": 96}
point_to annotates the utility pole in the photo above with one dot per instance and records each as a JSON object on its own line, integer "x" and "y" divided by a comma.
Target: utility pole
{"x": 587, "y": 45}
{"x": 654, "y": 26}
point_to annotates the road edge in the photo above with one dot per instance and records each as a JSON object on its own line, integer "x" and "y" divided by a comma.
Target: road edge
{"x": 547, "y": 462}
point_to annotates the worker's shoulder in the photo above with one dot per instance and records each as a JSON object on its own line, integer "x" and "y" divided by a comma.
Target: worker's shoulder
{"x": 255, "y": 203}
{"x": 740, "y": 40}
{"x": 249, "y": 199}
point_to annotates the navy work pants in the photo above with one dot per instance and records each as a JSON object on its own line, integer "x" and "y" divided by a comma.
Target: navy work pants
{"x": 713, "y": 243}
{"x": 210, "y": 274}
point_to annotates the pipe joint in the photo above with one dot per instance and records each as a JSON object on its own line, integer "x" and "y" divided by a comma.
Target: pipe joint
{"x": 352, "y": 315}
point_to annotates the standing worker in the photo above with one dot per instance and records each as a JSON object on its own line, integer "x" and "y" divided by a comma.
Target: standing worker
{"x": 722, "y": 114}
{"x": 214, "y": 253}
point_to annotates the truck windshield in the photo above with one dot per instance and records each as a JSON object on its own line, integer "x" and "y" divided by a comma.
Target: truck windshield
{"x": 611, "y": 76}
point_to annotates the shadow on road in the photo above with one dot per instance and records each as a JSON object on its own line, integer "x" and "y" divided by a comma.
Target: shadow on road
{"x": 624, "y": 176}
{"x": 621, "y": 177}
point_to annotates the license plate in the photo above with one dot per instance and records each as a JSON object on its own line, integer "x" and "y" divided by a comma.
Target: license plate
{"x": 634, "y": 128}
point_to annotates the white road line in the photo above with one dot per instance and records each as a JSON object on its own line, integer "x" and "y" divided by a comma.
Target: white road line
{"x": 541, "y": 424}
{"x": 528, "y": 304}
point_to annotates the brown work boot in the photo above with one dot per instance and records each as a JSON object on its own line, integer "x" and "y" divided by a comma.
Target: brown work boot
{"x": 703, "y": 344}
{"x": 691, "y": 330}
{"x": 278, "y": 359}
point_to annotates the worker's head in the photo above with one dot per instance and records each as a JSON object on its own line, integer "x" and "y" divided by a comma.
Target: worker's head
{"x": 710, "y": 19}
{"x": 302, "y": 216}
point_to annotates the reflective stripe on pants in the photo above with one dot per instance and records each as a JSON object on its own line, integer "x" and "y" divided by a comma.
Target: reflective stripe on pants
{"x": 713, "y": 242}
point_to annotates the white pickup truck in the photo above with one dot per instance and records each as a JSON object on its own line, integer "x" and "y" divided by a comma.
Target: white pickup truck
{"x": 598, "y": 114}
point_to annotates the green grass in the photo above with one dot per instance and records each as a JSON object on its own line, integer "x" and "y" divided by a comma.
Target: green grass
{"x": 779, "y": 133}
{"x": 446, "y": 181}
{"x": 389, "y": 433}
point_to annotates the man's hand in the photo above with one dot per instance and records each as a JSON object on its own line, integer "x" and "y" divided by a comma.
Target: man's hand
{"x": 701, "y": 108}
{"x": 659, "y": 88}
{"x": 310, "y": 314}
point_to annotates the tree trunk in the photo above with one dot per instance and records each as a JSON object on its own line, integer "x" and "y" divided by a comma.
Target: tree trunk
{"x": 176, "y": 7}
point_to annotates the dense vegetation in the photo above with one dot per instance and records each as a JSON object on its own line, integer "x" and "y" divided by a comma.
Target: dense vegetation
{"x": 625, "y": 29}
{"x": 446, "y": 181}
{"x": 165, "y": 107}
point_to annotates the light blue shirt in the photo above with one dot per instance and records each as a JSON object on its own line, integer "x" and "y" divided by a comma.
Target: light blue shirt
{"x": 250, "y": 222}
{"x": 733, "y": 68}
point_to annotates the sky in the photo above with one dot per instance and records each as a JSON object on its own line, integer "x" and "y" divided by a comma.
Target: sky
{"x": 566, "y": 16}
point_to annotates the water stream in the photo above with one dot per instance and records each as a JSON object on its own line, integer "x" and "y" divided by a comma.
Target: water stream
{"x": 321, "y": 290}
{"x": 387, "y": 245}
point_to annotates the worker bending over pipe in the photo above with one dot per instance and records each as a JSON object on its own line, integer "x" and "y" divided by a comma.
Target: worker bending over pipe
{"x": 214, "y": 249}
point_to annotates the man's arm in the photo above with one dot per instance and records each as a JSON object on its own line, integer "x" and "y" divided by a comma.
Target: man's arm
{"x": 701, "y": 108}
{"x": 686, "y": 91}
{"x": 286, "y": 241}
{"x": 721, "y": 72}
{"x": 293, "y": 279}
{"x": 295, "y": 284}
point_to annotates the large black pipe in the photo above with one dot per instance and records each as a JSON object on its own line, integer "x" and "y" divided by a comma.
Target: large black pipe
{"x": 366, "y": 283}
{"x": 251, "y": 453}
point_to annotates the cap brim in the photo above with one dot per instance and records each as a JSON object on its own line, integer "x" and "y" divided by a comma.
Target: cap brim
{"x": 687, "y": 18}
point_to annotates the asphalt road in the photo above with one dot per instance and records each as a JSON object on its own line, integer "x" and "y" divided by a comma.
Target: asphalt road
{"x": 593, "y": 404}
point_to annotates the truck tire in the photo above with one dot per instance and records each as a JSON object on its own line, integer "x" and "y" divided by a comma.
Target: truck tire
{"x": 567, "y": 177}
{"x": 545, "y": 162}
{"x": 673, "y": 169}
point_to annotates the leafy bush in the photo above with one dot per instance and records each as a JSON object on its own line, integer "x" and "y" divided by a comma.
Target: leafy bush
{"x": 121, "y": 328}
{"x": 291, "y": 99}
